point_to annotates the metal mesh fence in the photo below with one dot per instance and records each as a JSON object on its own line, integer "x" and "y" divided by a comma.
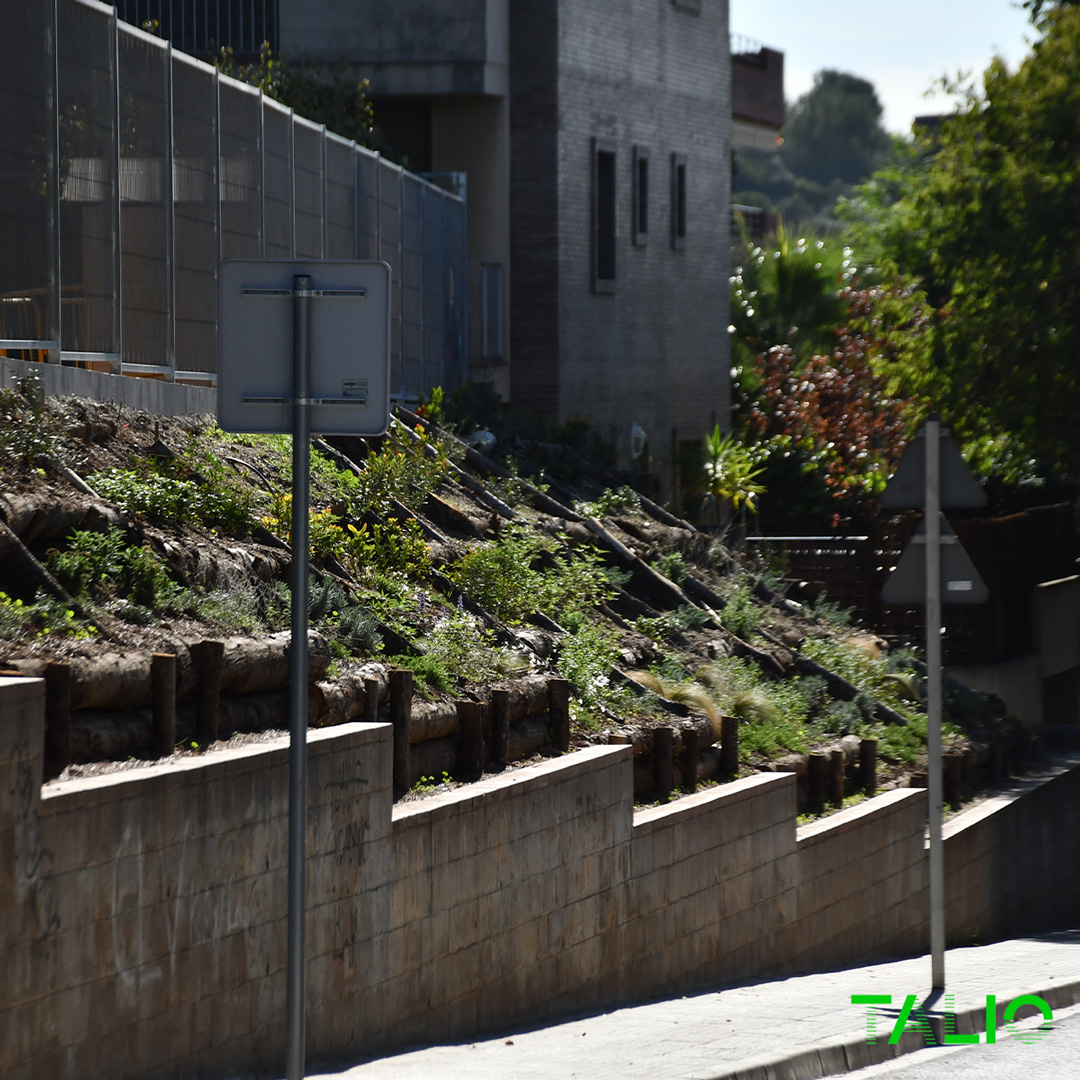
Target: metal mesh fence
{"x": 89, "y": 252}
{"x": 390, "y": 251}
{"x": 195, "y": 213}
{"x": 130, "y": 170}
{"x": 240, "y": 189}
{"x": 434, "y": 215}
{"x": 412, "y": 281}
{"x": 340, "y": 198}
{"x": 145, "y": 180}
{"x": 367, "y": 206}
{"x": 277, "y": 181}
{"x": 27, "y": 209}
{"x": 308, "y": 189}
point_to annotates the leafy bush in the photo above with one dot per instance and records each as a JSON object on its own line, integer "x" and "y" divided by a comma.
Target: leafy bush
{"x": 102, "y": 565}
{"x": 168, "y": 497}
{"x": 506, "y": 578}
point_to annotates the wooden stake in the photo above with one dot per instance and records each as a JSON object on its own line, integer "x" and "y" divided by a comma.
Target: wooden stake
{"x": 559, "y": 706}
{"x": 208, "y": 658}
{"x": 663, "y": 747}
{"x": 401, "y": 694}
{"x": 471, "y": 746}
{"x": 163, "y": 692}
{"x": 57, "y": 716}
{"x": 868, "y": 765}
{"x": 500, "y": 726}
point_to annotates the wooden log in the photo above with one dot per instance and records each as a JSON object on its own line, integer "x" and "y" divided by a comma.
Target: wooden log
{"x": 527, "y": 696}
{"x": 527, "y": 736}
{"x": 868, "y": 765}
{"x": 121, "y": 680}
{"x": 371, "y": 700}
{"x": 953, "y": 779}
{"x": 559, "y": 707}
{"x": 432, "y": 759}
{"x": 111, "y": 736}
{"x": 471, "y": 740}
{"x": 46, "y": 515}
{"x": 500, "y": 726}
{"x": 163, "y": 679}
{"x": 729, "y": 746}
{"x": 663, "y": 746}
{"x": 253, "y": 664}
{"x": 689, "y": 760}
{"x": 433, "y": 720}
{"x": 57, "y": 717}
{"x": 836, "y": 777}
{"x": 817, "y": 778}
{"x": 709, "y": 763}
{"x": 401, "y": 692}
{"x": 337, "y": 701}
{"x": 644, "y": 778}
{"x": 207, "y": 658}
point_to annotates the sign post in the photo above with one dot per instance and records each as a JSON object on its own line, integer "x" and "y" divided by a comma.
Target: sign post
{"x": 945, "y": 479}
{"x": 282, "y": 371}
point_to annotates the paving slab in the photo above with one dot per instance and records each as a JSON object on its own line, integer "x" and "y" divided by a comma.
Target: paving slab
{"x": 796, "y": 1028}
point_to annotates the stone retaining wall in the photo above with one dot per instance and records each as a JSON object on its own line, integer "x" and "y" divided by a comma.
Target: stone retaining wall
{"x": 144, "y": 923}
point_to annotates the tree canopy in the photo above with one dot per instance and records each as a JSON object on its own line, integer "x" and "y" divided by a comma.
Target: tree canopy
{"x": 987, "y": 216}
{"x": 833, "y": 139}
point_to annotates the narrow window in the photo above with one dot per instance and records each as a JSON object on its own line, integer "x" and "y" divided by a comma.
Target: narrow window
{"x": 640, "y": 216}
{"x": 604, "y": 218}
{"x": 491, "y": 303}
{"x": 678, "y": 201}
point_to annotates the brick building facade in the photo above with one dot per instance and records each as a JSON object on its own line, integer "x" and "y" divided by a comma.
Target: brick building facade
{"x": 594, "y": 136}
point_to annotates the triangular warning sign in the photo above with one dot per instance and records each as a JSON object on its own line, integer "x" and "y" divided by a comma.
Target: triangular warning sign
{"x": 907, "y": 487}
{"x": 960, "y": 581}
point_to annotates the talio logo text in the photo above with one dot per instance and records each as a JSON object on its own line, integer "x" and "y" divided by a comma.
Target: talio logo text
{"x": 915, "y": 1018}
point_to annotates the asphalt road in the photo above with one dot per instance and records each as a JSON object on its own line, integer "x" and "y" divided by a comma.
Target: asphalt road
{"x": 1056, "y": 1055}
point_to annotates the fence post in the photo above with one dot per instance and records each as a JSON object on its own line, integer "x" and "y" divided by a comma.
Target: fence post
{"x": 208, "y": 657}
{"x": 559, "y": 707}
{"x": 471, "y": 747}
{"x": 868, "y": 765}
{"x": 729, "y": 746}
{"x": 500, "y": 726}
{"x": 57, "y": 716}
{"x": 401, "y": 692}
{"x": 663, "y": 752}
{"x": 163, "y": 695}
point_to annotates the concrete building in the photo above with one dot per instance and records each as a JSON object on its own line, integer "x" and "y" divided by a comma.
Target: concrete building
{"x": 595, "y": 139}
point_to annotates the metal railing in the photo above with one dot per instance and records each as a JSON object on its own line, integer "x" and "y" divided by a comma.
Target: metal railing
{"x": 129, "y": 170}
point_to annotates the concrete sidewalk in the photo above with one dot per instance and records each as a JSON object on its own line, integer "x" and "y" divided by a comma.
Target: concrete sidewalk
{"x": 799, "y": 1028}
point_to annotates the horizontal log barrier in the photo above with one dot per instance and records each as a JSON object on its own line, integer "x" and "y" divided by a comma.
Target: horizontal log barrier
{"x": 123, "y": 680}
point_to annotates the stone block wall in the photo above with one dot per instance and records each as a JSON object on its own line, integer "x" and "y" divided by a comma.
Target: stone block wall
{"x": 150, "y": 906}
{"x": 862, "y": 883}
{"x": 1010, "y": 865}
{"x": 144, "y": 929}
{"x": 712, "y": 886}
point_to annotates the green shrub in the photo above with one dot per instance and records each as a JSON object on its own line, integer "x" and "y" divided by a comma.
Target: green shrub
{"x": 104, "y": 565}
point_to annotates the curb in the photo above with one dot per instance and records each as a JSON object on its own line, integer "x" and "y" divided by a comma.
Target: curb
{"x": 848, "y": 1052}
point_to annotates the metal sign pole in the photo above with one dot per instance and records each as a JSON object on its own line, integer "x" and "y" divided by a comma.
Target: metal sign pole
{"x": 933, "y": 699}
{"x": 298, "y": 693}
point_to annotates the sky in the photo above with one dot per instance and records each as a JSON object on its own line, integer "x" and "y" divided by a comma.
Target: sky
{"x": 901, "y": 46}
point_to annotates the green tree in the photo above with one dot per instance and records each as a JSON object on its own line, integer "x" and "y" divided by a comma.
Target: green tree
{"x": 834, "y": 132}
{"x": 833, "y": 139}
{"x": 317, "y": 91}
{"x": 987, "y": 216}
{"x": 788, "y": 293}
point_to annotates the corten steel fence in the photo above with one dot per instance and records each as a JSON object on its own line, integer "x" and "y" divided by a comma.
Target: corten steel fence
{"x": 1012, "y": 554}
{"x": 129, "y": 170}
